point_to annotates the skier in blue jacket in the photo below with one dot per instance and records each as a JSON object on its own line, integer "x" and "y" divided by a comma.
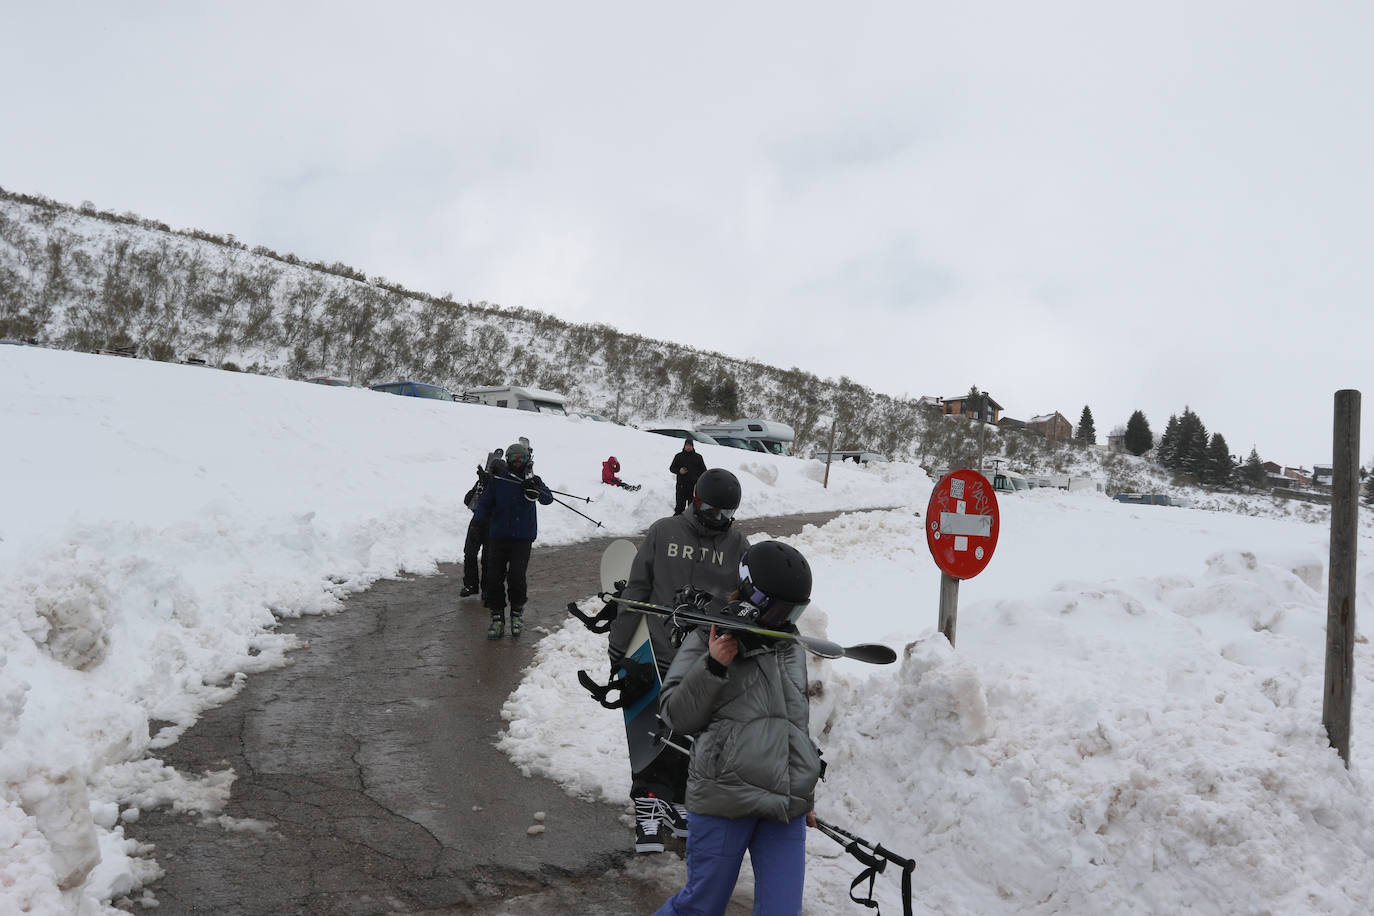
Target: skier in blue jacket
{"x": 508, "y": 506}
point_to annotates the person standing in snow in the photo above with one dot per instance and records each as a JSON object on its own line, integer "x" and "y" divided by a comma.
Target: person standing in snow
{"x": 754, "y": 766}
{"x": 686, "y": 467}
{"x": 696, "y": 550}
{"x": 474, "y": 547}
{"x": 509, "y": 505}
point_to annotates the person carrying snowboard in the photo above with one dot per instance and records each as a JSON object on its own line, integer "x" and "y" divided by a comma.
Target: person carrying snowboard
{"x": 686, "y": 467}
{"x": 695, "y": 550}
{"x": 474, "y": 547}
{"x": 754, "y": 765}
{"x": 609, "y": 468}
{"x": 508, "y": 504}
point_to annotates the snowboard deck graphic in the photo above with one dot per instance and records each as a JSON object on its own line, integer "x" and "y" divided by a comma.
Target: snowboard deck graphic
{"x": 641, "y": 716}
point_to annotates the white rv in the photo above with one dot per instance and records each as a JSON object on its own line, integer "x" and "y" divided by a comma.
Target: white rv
{"x": 536, "y": 399}
{"x": 763, "y": 435}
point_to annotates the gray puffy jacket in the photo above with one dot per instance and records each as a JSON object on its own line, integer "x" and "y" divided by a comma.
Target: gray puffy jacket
{"x": 753, "y": 755}
{"x": 677, "y": 551}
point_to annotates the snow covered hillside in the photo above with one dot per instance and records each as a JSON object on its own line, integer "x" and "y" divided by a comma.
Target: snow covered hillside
{"x": 1130, "y": 721}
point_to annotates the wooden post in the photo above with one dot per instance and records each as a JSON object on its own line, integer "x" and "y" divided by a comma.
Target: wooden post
{"x": 1340, "y": 592}
{"x": 829, "y": 453}
{"x": 949, "y": 605}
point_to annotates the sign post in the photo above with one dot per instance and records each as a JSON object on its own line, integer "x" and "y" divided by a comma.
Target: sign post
{"x": 962, "y": 526}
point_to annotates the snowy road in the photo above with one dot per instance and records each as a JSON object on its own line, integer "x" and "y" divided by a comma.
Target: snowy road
{"x": 389, "y": 796}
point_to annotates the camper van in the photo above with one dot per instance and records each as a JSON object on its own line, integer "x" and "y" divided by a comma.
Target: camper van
{"x": 775, "y": 438}
{"x": 535, "y": 399}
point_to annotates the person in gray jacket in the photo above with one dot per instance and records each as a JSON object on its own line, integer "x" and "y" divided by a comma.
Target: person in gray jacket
{"x": 696, "y": 550}
{"x": 754, "y": 767}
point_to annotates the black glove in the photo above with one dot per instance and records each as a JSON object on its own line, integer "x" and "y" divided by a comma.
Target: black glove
{"x": 533, "y": 488}
{"x": 498, "y": 467}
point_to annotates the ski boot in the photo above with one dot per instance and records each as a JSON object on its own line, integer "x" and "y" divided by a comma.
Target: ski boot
{"x": 468, "y": 591}
{"x": 498, "y": 625}
{"x": 517, "y": 622}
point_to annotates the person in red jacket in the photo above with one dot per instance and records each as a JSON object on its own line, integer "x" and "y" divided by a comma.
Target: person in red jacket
{"x": 609, "y": 468}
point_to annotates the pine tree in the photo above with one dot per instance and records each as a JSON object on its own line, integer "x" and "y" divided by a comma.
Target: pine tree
{"x": 1087, "y": 433}
{"x": 1220, "y": 468}
{"x": 1168, "y": 443}
{"x": 1139, "y": 439}
{"x": 1369, "y": 490}
{"x": 1253, "y": 474}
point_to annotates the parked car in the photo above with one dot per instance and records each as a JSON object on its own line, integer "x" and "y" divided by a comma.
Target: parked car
{"x": 685, "y": 434}
{"x": 416, "y": 390}
{"x": 330, "y": 380}
{"x": 595, "y": 417}
{"x": 1145, "y": 499}
{"x": 737, "y": 442}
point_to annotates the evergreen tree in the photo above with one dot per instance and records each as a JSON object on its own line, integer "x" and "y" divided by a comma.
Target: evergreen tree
{"x": 974, "y": 402}
{"x": 1168, "y": 443}
{"x": 1220, "y": 467}
{"x": 1190, "y": 453}
{"x": 1253, "y": 473}
{"x": 1369, "y": 490}
{"x": 1087, "y": 433}
{"x": 1139, "y": 439}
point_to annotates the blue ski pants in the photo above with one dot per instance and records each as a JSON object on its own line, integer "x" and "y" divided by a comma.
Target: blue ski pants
{"x": 715, "y": 851}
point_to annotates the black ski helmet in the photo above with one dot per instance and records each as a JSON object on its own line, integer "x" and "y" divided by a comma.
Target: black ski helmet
{"x": 775, "y": 579}
{"x": 518, "y": 458}
{"x": 716, "y": 498}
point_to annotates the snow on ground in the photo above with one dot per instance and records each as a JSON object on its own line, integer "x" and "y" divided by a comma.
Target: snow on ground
{"x": 1130, "y": 721}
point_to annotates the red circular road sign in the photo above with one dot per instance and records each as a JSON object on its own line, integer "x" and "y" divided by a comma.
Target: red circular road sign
{"x": 962, "y": 523}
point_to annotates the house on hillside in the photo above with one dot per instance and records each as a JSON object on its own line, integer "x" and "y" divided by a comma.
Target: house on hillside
{"x": 1009, "y": 423}
{"x": 1053, "y": 426}
{"x": 1323, "y": 475}
{"x": 961, "y": 406}
{"x": 1116, "y": 441}
{"x": 930, "y": 403}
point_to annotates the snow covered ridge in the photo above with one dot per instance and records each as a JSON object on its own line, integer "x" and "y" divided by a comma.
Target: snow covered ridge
{"x": 159, "y": 520}
{"x": 83, "y": 283}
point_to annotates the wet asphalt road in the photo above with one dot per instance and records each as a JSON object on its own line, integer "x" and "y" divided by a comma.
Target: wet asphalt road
{"x": 369, "y": 763}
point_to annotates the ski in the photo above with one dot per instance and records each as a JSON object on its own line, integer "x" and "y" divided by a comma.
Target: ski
{"x": 871, "y": 653}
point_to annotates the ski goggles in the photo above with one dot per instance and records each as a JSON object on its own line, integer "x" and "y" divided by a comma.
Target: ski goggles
{"x": 772, "y": 612}
{"x": 712, "y": 515}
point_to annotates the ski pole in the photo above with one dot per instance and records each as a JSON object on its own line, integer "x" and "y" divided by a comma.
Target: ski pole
{"x": 550, "y": 489}
{"x": 571, "y": 509}
{"x": 875, "y": 863}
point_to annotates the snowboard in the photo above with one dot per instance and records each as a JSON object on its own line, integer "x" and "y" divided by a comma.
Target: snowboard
{"x": 641, "y": 717}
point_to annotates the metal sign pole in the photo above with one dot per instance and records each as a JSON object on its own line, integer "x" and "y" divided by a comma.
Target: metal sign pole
{"x": 949, "y": 606}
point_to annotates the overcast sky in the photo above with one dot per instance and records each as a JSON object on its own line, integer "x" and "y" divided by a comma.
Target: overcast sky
{"x": 1062, "y": 203}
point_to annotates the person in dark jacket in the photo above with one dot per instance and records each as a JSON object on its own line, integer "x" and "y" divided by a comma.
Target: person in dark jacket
{"x": 508, "y": 505}
{"x": 686, "y": 467}
{"x": 474, "y": 547}
{"x": 754, "y": 766}
{"x": 696, "y": 550}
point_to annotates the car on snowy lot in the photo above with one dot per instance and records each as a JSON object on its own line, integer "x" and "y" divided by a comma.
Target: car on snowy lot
{"x": 685, "y": 434}
{"x": 411, "y": 389}
{"x": 595, "y": 417}
{"x": 1146, "y": 499}
{"x": 330, "y": 380}
{"x": 737, "y": 442}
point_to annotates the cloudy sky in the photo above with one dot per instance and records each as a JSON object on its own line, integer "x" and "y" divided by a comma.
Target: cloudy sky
{"x": 1062, "y": 203}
